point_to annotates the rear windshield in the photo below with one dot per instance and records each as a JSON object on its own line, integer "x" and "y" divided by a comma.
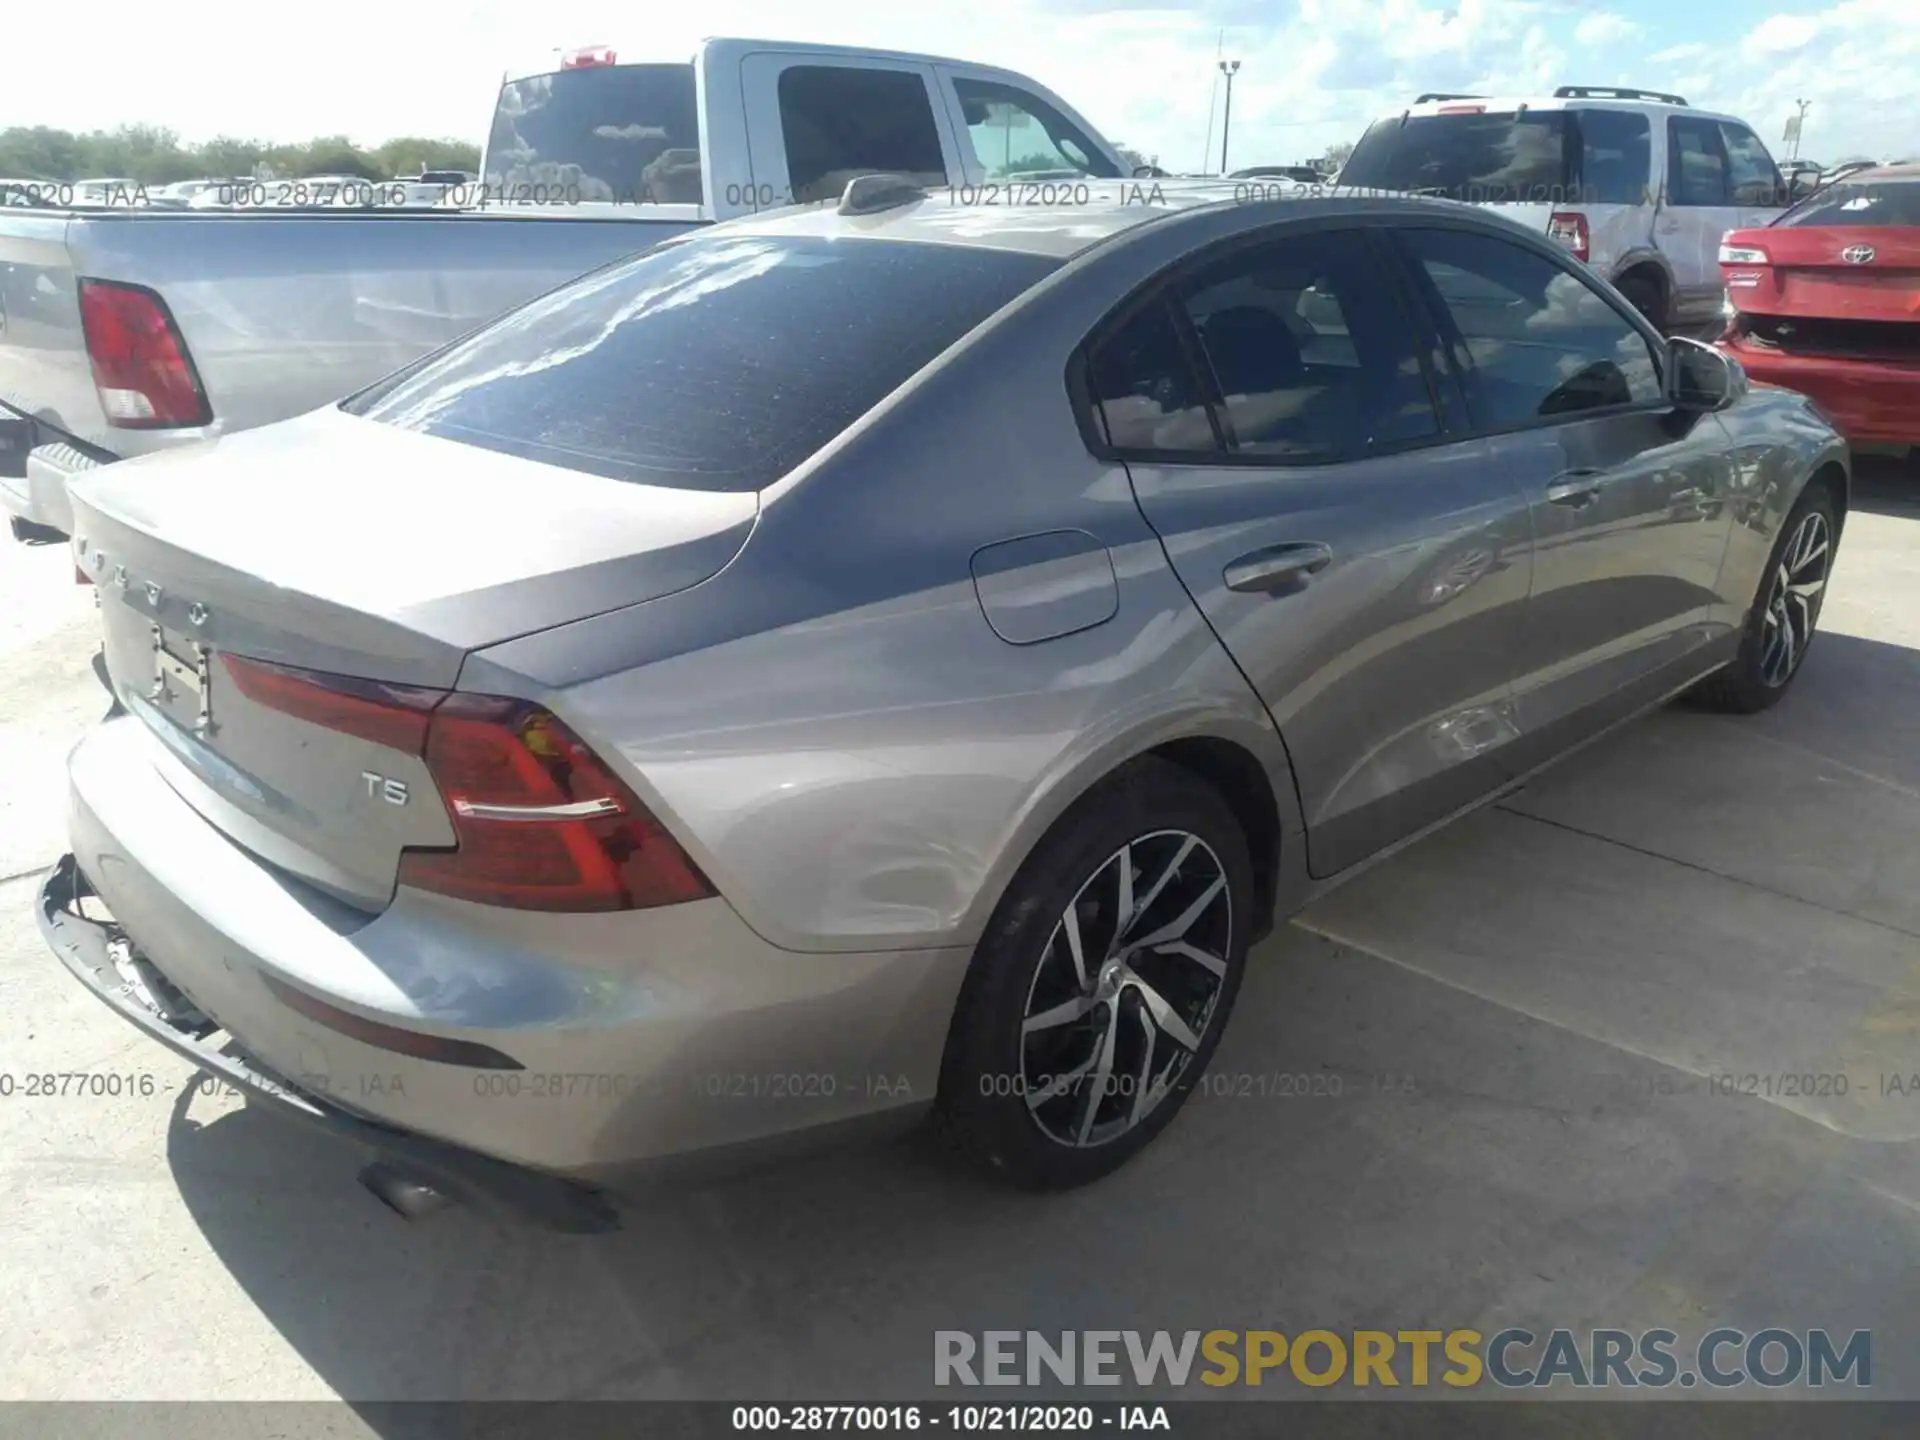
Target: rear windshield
{"x": 713, "y": 364}
{"x": 627, "y": 133}
{"x": 1874, "y": 202}
{"x": 1550, "y": 157}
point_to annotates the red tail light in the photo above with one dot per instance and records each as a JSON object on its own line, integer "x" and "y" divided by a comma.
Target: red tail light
{"x": 1569, "y": 227}
{"x": 391, "y": 715}
{"x": 141, "y": 367}
{"x": 540, "y": 822}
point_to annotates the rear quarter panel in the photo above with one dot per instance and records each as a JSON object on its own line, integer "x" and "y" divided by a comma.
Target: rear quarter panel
{"x": 1778, "y": 441}
{"x": 831, "y": 725}
{"x": 285, "y": 312}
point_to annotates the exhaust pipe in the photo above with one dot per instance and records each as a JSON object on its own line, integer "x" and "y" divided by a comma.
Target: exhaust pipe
{"x": 407, "y": 1197}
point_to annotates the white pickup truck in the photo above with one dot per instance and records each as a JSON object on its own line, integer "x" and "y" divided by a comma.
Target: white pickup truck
{"x": 129, "y": 330}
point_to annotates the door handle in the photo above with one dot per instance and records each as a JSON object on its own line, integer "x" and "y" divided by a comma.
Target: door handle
{"x": 1277, "y": 566}
{"x": 1576, "y": 489}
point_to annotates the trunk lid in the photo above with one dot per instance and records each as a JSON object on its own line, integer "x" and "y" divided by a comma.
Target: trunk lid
{"x": 1808, "y": 272}
{"x": 341, "y": 545}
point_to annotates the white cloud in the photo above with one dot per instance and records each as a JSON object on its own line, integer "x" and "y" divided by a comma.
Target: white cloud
{"x": 1141, "y": 70}
{"x": 1605, "y": 27}
{"x": 1857, "y": 63}
{"x": 1675, "y": 54}
{"x": 1781, "y": 34}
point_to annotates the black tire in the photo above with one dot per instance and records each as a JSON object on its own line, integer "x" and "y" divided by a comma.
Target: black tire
{"x": 1754, "y": 680}
{"x": 28, "y": 533}
{"x": 1648, "y": 296}
{"x": 1024, "y": 966}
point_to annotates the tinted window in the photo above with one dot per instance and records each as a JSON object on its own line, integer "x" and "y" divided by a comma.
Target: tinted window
{"x": 1016, "y": 133}
{"x": 1145, "y": 390}
{"x": 1311, "y": 353}
{"x": 841, "y": 122}
{"x": 1876, "y": 202}
{"x": 1750, "y": 170}
{"x": 715, "y": 364}
{"x": 1476, "y": 158}
{"x": 1615, "y": 157}
{"x": 1697, "y": 165}
{"x": 615, "y": 132}
{"x": 1532, "y": 339}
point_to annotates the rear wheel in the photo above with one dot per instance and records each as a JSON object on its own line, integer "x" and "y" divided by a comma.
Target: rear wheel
{"x": 28, "y": 533}
{"x": 1099, "y": 992}
{"x": 1647, "y": 295}
{"x": 1785, "y": 611}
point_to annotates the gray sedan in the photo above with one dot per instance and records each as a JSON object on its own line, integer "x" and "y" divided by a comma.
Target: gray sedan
{"x": 856, "y": 662}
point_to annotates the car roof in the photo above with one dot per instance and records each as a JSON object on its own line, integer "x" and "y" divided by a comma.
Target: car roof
{"x": 1905, "y": 170}
{"x": 1095, "y": 211}
{"x": 1505, "y": 104}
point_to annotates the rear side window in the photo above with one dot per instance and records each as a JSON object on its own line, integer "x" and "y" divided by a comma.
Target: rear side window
{"x": 1616, "y": 149}
{"x": 1697, "y": 164}
{"x": 1147, "y": 395}
{"x": 1531, "y": 340}
{"x": 840, "y": 122}
{"x": 713, "y": 364}
{"x": 628, "y": 133}
{"x": 1311, "y": 354}
{"x": 1479, "y": 158}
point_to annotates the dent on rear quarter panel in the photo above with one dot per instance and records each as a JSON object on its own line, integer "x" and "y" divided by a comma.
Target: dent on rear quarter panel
{"x": 1777, "y": 443}
{"x": 832, "y": 727}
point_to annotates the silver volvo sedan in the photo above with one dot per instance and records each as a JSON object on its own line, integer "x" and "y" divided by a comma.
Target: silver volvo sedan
{"x": 864, "y": 661}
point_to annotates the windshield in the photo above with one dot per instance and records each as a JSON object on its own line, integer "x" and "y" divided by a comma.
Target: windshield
{"x": 712, "y": 364}
{"x": 1877, "y": 202}
{"x": 627, "y": 133}
{"x": 1480, "y": 159}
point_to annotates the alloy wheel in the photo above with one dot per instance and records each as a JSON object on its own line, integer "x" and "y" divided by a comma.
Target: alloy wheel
{"x": 1126, "y": 988}
{"x": 1793, "y": 599}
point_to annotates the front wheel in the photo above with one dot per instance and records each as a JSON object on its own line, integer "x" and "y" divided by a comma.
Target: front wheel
{"x": 1785, "y": 611}
{"x": 1100, "y": 989}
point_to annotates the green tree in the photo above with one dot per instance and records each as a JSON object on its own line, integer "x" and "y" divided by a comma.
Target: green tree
{"x": 154, "y": 155}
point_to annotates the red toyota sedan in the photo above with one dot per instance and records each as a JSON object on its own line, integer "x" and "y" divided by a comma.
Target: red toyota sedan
{"x": 1826, "y": 301}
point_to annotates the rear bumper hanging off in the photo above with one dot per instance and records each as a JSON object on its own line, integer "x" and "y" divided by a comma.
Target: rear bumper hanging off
{"x": 86, "y": 948}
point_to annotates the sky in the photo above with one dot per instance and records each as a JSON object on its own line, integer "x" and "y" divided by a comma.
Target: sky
{"x": 1313, "y": 72}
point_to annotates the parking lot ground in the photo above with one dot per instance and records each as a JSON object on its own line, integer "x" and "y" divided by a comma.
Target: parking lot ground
{"x": 1533, "y": 1022}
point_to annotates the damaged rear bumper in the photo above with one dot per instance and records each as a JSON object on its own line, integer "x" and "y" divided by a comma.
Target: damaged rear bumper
{"x": 97, "y": 956}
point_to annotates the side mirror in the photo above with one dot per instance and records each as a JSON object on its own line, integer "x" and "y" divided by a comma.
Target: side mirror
{"x": 1699, "y": 377}
{"x": 1147, "y": 172}
{"x": 1801, "y": 186}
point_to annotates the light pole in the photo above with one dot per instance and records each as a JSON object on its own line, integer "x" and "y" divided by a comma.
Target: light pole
{"x": 1799, "y": 123}
{"x": 1228, "y": 68}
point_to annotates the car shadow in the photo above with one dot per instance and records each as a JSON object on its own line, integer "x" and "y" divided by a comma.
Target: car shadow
{"x": 1886, "y": 485}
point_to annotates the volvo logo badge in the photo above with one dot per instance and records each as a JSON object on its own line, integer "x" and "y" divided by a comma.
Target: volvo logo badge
{"x": 1857, "y": 254}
